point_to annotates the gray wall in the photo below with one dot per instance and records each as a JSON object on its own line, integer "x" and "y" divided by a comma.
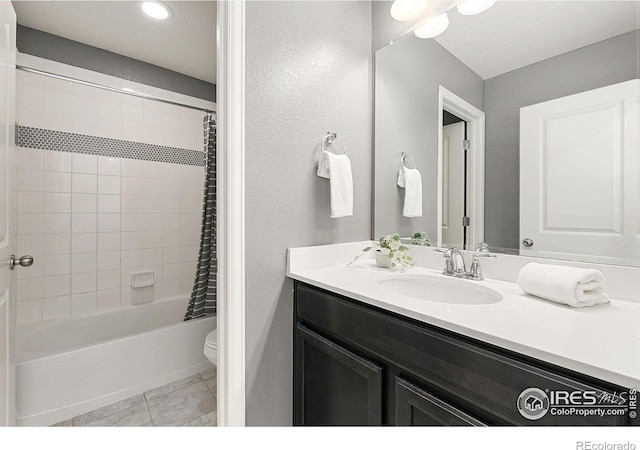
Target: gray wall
{"x": 56, "y": 48}
{"x": 408, "y": 74}
{"x": 612, "y": 61}
{"x": 308, "y": 71}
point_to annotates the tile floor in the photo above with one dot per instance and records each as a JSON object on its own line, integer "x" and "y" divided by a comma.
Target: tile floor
{"x": 190, "y": 401}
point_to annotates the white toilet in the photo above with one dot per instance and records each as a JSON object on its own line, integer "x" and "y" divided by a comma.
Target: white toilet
{"x": 211, "y": 347}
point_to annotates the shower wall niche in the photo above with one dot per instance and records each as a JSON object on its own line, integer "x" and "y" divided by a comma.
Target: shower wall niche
{"x": 108, "y": 184}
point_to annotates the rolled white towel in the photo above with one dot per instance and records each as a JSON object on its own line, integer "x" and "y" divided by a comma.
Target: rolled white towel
{"x": 561, "y": 284}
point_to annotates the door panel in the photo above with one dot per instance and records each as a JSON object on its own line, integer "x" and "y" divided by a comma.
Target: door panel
{"x": 333, "y": 386}
{"x": 415, "y": 407}
{"x": 578, "y": 176}
{"x": 7, "y": 210}
{"x": 453, "y": 184}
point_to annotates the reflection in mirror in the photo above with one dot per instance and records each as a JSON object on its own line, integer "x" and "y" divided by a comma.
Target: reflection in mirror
{"x": 552, "y": 167}
{"x": 455, "y": 189}
{"x": 460, "y": 190}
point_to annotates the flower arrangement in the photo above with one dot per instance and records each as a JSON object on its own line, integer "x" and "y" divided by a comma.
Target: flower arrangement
{"x": 389, "y": 252}
{"x": 420, "y": 238}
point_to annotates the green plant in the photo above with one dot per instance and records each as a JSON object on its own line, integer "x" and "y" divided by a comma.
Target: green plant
{"x": 391, "y": 246}
{"x": 420, "y": 238}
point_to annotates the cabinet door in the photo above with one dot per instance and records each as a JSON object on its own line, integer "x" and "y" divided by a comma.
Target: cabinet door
{"x": 415, "y": 407}
{"x": 334, "y": 386}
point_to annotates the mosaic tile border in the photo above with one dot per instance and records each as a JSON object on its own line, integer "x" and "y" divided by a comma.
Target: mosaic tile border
{"x": 61, "y": 141}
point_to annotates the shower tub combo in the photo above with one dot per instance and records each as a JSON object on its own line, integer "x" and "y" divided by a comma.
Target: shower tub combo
{"x": 71, "y": 366}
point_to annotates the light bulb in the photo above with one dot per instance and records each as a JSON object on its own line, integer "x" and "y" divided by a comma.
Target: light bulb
{"x": 408, "y": 9}
{"x": 433, "y": 27}
{"x": 157, "y": 10}
{"x": 471, "y": 7}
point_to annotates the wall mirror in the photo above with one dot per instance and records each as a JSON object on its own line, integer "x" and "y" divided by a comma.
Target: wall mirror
{"x": 523, "y": 124}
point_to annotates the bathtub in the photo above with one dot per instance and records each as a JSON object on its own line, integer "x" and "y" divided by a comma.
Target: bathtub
{"x": 71, "y": 366}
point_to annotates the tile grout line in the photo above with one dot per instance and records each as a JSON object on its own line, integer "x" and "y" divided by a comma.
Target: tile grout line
{"x": 146, "y": 402}
{"x": 215, "y": 394}
{"x": 209, "y": 389}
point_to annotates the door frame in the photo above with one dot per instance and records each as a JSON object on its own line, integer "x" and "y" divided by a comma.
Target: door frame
{"x": 475, "y": 119}
{"x": 231, "y": 215}
{"x": 10, "y": 244}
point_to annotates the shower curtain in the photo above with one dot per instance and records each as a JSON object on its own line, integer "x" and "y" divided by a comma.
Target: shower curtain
{"x": 203, "y": 294}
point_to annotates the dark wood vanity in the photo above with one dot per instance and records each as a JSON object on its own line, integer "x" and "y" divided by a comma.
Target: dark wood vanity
{"x": 355, "y": 364}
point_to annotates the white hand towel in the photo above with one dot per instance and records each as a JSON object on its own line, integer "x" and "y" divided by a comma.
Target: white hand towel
{"x": 561, "y": 284}
{"x": 337, "y": 168}
{"x": 323, "y": 166}
{"x": 411, "y": 181}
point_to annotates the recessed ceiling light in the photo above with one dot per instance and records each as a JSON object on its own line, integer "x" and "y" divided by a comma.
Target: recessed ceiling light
{"x": 157, "y": 10}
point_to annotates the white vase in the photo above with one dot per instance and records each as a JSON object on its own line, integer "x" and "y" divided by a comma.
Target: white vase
{"x": 382, "y": 260}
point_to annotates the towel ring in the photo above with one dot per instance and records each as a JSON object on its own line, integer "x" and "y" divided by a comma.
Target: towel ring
{"x": 405, "y": 156}
{"x": 330, "y": 138}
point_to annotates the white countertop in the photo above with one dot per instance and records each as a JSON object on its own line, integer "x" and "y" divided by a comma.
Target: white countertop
{"x": 602, "y": 341}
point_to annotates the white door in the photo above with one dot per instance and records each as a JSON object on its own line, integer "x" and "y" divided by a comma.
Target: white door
{"x": 7, "y": 211}
{"x": 579, "y": 175}
{"x": 453, "y": 185}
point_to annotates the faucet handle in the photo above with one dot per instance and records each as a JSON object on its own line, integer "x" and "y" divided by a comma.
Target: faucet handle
{"x": 483, "y": 254}
{"x": 446, "y": 252}
{"x": 448, "y": 263}
{"x": 475, "y": 273}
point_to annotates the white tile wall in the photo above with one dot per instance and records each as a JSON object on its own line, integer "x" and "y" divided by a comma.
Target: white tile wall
{"x": 90, "y": 221}
{"x": 49, "y": 103}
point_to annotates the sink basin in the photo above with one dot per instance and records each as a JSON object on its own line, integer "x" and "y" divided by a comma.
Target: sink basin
{"x": 441, "y": 290}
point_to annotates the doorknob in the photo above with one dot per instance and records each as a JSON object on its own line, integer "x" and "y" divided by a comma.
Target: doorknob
{"x": 528, "y": 242}
{"x": 24, "y": 261}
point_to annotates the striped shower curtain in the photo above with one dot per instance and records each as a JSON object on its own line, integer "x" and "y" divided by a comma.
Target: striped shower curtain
{"x": 203, "y": 294}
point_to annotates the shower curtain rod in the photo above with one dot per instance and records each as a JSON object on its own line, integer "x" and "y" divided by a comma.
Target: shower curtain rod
{"x": 112, "y": 89}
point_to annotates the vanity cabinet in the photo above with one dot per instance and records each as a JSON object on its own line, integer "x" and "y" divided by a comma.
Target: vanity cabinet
{"x": 416, "y": 407}
{"x": 338, "y": 387}
{"x": 355, "y": 364}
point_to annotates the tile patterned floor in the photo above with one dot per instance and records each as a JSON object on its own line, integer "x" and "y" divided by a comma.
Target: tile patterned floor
{"x": 190, "y": 401}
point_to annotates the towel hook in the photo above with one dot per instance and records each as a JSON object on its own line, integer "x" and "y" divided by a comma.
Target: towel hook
{"x": 330, "y": 138}
{"x": 405, "y": 156}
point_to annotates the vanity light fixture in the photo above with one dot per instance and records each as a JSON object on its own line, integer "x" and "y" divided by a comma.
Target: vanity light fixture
{"x": 408, "y": 9}
{"x": 471, "y": 7}
{"x": 433, "y": 27}
{"x": 157, "y": 10}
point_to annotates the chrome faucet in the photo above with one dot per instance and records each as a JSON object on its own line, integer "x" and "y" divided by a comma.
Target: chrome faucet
{"x": 454, "y": 265}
